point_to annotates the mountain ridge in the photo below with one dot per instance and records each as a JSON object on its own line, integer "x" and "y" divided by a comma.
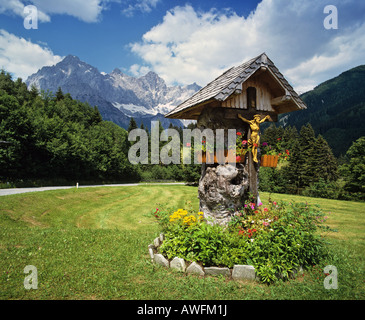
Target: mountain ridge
{"x": 117, "y": 95}
{"x": 335, "y": 109}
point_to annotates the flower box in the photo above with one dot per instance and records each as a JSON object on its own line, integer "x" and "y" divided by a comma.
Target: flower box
{"x": 269, "y": 161}
{"x": 204, "y": 157}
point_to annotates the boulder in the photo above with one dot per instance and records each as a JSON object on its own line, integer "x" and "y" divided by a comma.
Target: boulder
{"x": 161, "y": 260}
{"x": 156, "y": 242}
{"x": 215, "y": 271}
{"x": 196, "y": 269}
{"x": 178, "y": 264}
{"x": 243, "y": 272}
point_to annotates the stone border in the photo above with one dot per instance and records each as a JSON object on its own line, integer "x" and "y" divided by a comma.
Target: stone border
{"x": 238, "y": 272}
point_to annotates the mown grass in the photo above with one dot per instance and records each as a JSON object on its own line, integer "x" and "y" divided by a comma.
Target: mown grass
{"x": 91, "y": 243}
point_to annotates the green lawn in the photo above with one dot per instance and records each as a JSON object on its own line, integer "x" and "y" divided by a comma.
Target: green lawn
{"x": 91, "y": 243}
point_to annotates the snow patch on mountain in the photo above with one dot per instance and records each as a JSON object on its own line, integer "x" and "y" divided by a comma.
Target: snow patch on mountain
{"x": 133, "y": 110}
{"x": 146, "y": 96}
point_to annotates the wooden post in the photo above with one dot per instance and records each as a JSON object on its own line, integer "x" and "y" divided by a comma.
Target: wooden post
{"x": 252, "y": 172}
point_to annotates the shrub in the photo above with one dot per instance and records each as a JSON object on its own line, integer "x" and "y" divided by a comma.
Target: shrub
{"x": 275, "y": 239}
{"x": 323, "y": 189}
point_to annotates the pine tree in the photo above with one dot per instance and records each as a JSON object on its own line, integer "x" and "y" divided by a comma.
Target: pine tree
{"x": 59, "y": 94}
{"x": 299, "y": 173}
{"x": 6, "y": 83}
{"x": 95, "y": 116}
{"x": 306, "y": 155}
{"x": 132, "y": 125}
{"x": 355, "y": 170}
{"x": 33, "y": 92}
{"x": 324, "y": 163}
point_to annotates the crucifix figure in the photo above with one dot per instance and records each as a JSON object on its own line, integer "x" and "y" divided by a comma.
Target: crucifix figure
{"x": 254, "y": 138}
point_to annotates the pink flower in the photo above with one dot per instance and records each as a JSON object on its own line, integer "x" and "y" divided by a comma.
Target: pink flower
{"x": 266, "y": 209}
{"x": 265, "y": 223}
{"x": 244, "y": 142}
{"x": 188, "y": 144}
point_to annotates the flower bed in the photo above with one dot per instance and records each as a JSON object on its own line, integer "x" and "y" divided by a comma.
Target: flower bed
{"x": 275, "y": 240}
{"x": 238, "y": 272}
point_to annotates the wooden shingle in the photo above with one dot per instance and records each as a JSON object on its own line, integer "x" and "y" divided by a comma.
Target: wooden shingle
{"x": 230, "y": 83}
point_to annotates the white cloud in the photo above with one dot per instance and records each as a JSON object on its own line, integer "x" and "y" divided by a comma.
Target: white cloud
{"x": 22, "y": 57}
{"x": 85, "y": 10}
{"x": 192, "y": 46}
{"x": 140, "y": 5}
{"x": 17, "y": 7}
{"x": 138, "y": 71}
{"x": 342, "y": 52}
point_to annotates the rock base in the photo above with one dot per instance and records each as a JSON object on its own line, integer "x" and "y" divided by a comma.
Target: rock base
{"x": 222, "y": 191}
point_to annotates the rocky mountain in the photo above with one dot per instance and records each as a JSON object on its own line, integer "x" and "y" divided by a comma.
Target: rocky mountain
{"x": 335, "y": 109}
{"x": 117, "y": 95}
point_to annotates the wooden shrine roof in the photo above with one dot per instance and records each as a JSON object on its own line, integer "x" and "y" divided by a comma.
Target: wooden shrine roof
{"x": 230, "y": 82}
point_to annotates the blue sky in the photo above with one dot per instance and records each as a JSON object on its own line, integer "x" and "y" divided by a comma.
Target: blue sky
{"x": 185, "y": 41}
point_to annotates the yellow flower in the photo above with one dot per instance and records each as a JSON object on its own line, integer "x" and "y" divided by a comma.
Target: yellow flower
{"x": 189, "y": 220}
{"x": 186, "y": 219}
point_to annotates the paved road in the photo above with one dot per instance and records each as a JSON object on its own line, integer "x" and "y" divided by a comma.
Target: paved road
{"x": 6, "y": 192}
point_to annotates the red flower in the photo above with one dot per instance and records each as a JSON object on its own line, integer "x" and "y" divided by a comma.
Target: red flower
{"x": 238, "y": 159}
{"x": 238, "y": 133}
{"x": 287, "y": 151}
{"x": 255, "y": 144}
{"x": 278, "y": 139}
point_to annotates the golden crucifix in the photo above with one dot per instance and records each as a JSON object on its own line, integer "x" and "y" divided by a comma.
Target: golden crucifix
{"x": 254, "y": 139}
